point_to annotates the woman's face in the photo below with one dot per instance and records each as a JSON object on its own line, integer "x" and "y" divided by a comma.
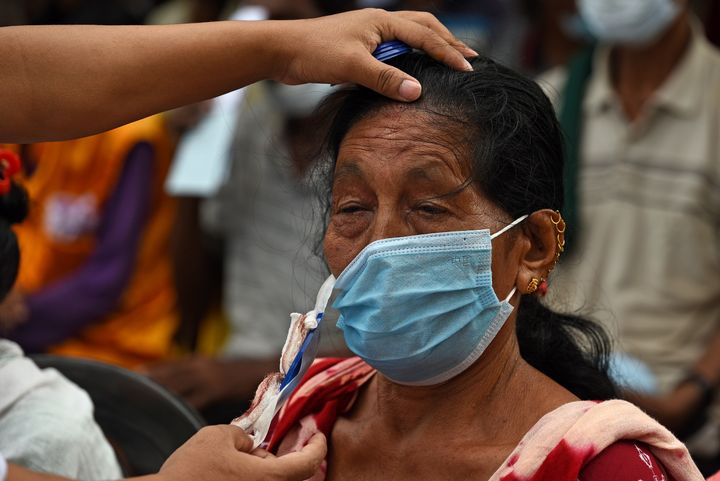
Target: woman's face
{"x": 392, "y": 176}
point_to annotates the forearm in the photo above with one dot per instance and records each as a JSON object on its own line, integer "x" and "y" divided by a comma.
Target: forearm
{"x": 16, "y": 473}
{"x": 682, "y": 409}
{"x": 62, "y": 310}
{"x": 136, "y": 71}
{"x": 60, "y": 82}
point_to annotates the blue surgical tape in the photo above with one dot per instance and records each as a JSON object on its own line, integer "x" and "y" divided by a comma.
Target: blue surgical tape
{"x": 310, "y": 344}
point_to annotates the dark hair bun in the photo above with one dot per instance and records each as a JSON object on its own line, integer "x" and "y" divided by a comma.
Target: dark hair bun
{"x": 13, "y": 209}
{"x": 14, "y": 205}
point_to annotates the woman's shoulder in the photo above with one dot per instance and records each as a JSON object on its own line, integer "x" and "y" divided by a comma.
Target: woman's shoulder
{"x": 624, "y": 461}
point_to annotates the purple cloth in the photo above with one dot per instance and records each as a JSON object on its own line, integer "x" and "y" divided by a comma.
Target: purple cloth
{"x": 63, "y": 308}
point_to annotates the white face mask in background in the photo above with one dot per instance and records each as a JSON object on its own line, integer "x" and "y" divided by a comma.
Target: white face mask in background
{"x": 298, "y": 100}
{"x": 633, "y": 22}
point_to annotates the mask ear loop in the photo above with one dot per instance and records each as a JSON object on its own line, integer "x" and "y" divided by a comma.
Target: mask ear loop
{"x": 502, "y": 231}
{"x": 509, "y": 226}
{"x": 509, "y": 296}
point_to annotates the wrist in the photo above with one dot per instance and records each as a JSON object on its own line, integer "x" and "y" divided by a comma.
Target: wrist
{"x": 273, "y": 47}
{"x": 255, "y": 43}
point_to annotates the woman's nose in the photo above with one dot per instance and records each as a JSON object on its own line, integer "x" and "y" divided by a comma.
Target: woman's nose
{"x": 389, "y": 222}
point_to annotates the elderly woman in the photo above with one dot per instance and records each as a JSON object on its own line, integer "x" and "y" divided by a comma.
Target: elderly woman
{"x": 443, "y": 227}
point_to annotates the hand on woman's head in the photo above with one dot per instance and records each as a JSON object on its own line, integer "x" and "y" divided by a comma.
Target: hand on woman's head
{"x": 338, "y": 49}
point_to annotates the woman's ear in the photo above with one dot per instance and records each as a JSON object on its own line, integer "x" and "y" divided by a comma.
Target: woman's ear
{"x": 544, "y": 229}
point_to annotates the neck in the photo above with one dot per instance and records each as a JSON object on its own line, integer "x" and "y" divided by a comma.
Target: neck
{"x": 495, "y": 381}
{"x": 639, "y": 71}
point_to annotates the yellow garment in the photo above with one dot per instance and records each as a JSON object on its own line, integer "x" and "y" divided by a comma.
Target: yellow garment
{"x": 140, "y": 329}
{"x": 214, "y": 331}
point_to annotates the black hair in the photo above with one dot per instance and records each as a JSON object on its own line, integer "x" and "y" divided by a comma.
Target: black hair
{"x": 13, "y": 209}
{"x": 516, "y": 150}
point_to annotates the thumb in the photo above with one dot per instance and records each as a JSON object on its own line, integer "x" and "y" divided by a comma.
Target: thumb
{"x": 304, "y": 463}
{"x": 241, "y": 440}
{"x": 390, "y": 81}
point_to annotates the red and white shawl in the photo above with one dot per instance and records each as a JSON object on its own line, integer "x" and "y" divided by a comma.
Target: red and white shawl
{"x": 555, "y": 449}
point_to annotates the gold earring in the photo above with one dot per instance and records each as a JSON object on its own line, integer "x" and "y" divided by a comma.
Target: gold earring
{"x": 533, "y": 285}
{"x": 559, "y": 235}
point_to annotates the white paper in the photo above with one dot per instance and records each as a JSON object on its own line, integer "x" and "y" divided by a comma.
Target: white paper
{"x": 202, "y": 160}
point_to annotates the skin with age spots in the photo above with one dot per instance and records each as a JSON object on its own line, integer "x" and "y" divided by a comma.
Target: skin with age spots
{"x": 399, "y": 172}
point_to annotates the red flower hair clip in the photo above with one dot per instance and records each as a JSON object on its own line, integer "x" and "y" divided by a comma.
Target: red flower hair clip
{"x": 9, "y": 165}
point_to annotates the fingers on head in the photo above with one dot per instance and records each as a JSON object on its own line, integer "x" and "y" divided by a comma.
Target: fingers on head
{"x": 390, "y": 81}
{"x": 431, "y": 22}
{"x": 427, "y": 39}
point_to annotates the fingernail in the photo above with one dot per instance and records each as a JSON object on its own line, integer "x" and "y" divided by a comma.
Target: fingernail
{"x": 409, "y": 90}
{"x": 468, "y": 66}
{"x": 470, "y": 51}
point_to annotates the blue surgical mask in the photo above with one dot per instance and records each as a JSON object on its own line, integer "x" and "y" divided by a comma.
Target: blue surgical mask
{"x": 632, "y": 22}
{"x": 421, "y": 309}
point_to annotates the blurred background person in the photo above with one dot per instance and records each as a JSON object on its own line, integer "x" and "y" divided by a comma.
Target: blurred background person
{"x": 641, "y": 113}
{"x": 252, "y": 241}
{"x": 95, "y": 278}
{"x": 528, "y": 35}
{"x": 47, "y": 424}
{"x": 262, "y": 222}
{"x": 46, "y": 421}
{"x": 555, "y": 32}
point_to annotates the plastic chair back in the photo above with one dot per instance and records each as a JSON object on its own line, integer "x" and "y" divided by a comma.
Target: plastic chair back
{"x": 143, "y": 421}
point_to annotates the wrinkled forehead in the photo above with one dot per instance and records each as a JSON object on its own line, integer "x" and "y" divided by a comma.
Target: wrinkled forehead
{"x": 407, "y": 137}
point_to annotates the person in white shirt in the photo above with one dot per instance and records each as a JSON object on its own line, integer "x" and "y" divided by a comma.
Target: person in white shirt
{"x": 647, "y": 163}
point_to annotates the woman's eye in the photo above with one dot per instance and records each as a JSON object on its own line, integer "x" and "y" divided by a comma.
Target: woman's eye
{"x": 431, "y": 209}
{"x": 350, "y": 209}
